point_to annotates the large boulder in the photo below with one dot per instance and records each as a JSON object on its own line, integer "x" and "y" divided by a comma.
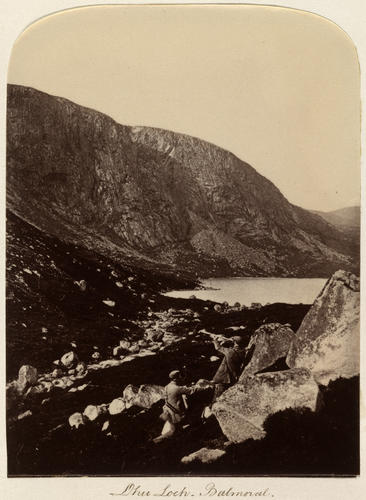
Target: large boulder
{"x": 269, "y": 342}
{"x": 27, "y": 376}
{"x": 148, "y": 395}
{"x": 328, "y": 340}
{"x": 243, "y": 408}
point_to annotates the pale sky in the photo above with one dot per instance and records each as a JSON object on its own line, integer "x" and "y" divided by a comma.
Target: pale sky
{"x": 279, "y": 88}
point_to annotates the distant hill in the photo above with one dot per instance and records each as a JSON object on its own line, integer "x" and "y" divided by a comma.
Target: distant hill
{"x": 349, "y": 216}
{"x": 157, "y": 199}
{"x": 346, "y": 219}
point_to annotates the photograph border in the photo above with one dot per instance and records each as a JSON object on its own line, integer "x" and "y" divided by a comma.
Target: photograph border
{"x": 16, "y": 16}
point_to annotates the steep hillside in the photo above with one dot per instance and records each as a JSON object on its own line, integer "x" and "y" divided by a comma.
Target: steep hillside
{"x": 60, "y": 293}
{"x": 155, "y": 198}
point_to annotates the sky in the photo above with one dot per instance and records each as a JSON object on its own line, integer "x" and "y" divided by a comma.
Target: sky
{"x": 277, "y": 87}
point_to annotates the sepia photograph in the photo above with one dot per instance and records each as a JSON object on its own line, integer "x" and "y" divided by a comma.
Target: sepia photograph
{"x": 183, "y": 245}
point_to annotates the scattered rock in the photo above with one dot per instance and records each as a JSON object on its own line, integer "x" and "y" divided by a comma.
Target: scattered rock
{"x": 63, "y": 383}
{"x": 117, "y": 406}
{"x": 207, "y": 412}
{"x": 69, "y": 360}
{"x": 96, "y": 356}
{"x": 214, "y": 358}
{"x": 81, "y": 367}
{"x": 204, "y": 455}
{"x": 82, "y": 387}
{"x": 242, "y": 409}
{"x": 154, "y": 335}
{"x": 129, "y": 395}
{"x": 27, "y": 376}
{"x": 118, "y": 350}
{"x": 26, "y": 414}
{"x": 46, "y": 386}
{"x": 76, "y": 419}
{"x": 92, "y": 412}
{"x": 125, "y": 344}
{"x": 57, "y": 372}
{"x": 270, "y": 343}
{"x": 328, "y": 340}
{"x": 109, "y": 303}
{"x": 81, "y": 284}
{"x": 105, "y": 426}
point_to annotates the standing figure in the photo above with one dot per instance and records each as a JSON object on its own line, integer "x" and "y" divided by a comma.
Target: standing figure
{"x": 175, "y": 407}
{"x": 231, "y": 366}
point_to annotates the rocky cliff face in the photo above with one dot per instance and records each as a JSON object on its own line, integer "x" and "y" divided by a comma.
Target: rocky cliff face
{"x": 156, "y": 197}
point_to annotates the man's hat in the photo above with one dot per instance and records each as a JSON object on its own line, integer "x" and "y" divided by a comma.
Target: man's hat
{"x": 174, "y": 375}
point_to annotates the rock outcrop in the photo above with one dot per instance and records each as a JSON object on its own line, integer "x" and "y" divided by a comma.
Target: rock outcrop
{"x": 269, "y": 343}
{"x": 204, "y": 455}
{"x": 156, "y": 196}
{"x": 243, "y": 408}
{"x": 328, "y": 340}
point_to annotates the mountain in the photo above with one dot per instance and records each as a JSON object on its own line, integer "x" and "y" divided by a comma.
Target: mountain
{"x": 155, "y": 198}
{"x": 345, "y": 219}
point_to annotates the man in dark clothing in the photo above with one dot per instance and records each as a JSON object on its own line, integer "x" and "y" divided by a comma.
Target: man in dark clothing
{"x": 231, "y": 366}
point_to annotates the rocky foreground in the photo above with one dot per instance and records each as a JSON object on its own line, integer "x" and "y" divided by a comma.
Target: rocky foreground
{"x": 293, "y": 411}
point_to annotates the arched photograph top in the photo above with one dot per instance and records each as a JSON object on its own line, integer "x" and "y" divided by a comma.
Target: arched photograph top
{"x": 183, "y": 240}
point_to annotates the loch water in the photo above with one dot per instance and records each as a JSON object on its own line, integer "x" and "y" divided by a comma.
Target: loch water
{"x": 260, "y": 290}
